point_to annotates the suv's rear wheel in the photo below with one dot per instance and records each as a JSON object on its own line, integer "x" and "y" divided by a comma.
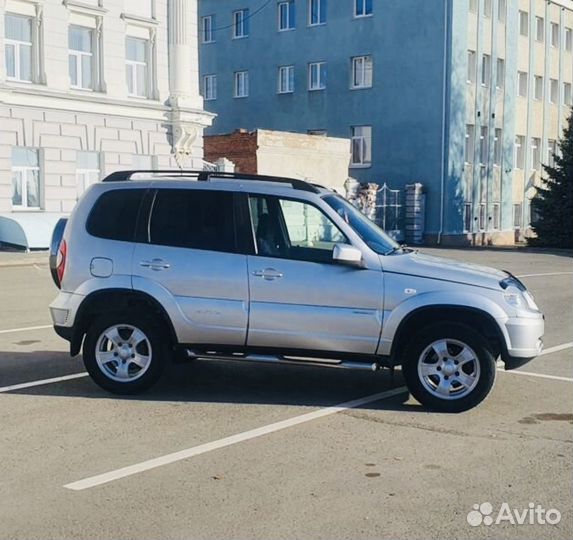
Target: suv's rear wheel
{"x": 124, "y": 354}
{"x": 449, "y": 367}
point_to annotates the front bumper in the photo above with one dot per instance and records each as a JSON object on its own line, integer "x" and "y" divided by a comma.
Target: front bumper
{"x": 524, "y": 340}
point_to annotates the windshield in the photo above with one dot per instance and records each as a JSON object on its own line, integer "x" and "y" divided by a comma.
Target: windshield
{"x": 373, "y": 236}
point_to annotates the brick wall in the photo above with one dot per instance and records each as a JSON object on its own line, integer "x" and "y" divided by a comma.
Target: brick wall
{"x": 240, "y": 147}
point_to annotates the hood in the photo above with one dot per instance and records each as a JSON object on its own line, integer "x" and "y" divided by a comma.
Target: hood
{"x": 428, "y": 266}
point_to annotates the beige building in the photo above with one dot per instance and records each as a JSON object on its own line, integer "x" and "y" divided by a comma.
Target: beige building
{"x": 88, "y": 87}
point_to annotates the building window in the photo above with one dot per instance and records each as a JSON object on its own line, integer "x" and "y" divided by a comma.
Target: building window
{"x": 207, "y": 25}
{"x": 554, "y": 34}
{"x": 469, "y": 146}
{"x": 568, "y": 39}
{"x": 501, "y": 10}
{"x": 210, "y": 87}
{"x": 25, "y": 178}
{"x": 81, "y": 56}
{"x": 362, "y": 8}
{"x": 87, "y": 170}
{"x": 500, "y": 74}
{"x": 286, "y": 80}
{"x": 487, "y": 8}
{"x": 240, "y": 23}
{"x": 551, "y": 151}
{"x": 535, "y": 153}
{"x": 519, "y": 154}
{"x": 136, "y": 67}
{"x": 471, "y": 66}
{"x": 496, "y": 216}
{"x": 362, "y": 72}
{"x": 497, "y": 147}
{"x": 517, "y": 213}
{"x": 286, "y": 15}
{"x": 241, "y": 86}
{"x": 539, "y": 29}
{"x": 317, "y": 76}
{"x": 467, "y": 217}
{"x": 483, "y": 146}
{"x": 473, "y": 6}
{"x": 481, "y": 219}
{"x": 361, "y": 138}
{"x": 567, "y": 97}
{"x": 18, "y": 48}
{"x": 522, "y": 84}
{"x": 554, "y": 91}
{"x": 316, "y": 12}
{"x": 537, "y": 87}
{"x": 523, "y": 23}
{"x": 485, "y": 70}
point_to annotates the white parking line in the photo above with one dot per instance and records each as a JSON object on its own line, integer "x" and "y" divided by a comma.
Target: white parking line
{"x": 26, "y": 329}
{"x": 540, "y": 375}
{"x": 41, "y": 382}
{"x": 111, "y": 476}
{"x": 557, "y": 348}
{"x": 547, "y": 274}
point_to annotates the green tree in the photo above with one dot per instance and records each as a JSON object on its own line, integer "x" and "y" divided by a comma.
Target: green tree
{"x": 552, "y": 204}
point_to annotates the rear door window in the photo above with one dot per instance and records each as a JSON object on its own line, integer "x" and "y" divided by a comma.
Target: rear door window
{"x": 114, "y": 214}
{"x": 195, "y": 219}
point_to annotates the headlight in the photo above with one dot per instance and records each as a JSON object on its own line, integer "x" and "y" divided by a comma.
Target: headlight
{"x": 516, "y": 294}
{"x": 514, "y": 297}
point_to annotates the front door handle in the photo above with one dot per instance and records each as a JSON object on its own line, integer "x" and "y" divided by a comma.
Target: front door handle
{"x": 269, "y": 274}
{"x": 155, "y": 264}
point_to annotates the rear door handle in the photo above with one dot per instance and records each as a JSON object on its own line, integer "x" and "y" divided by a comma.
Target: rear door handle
{"x": 269, "y": 274}
{"x": 155, "y": 264}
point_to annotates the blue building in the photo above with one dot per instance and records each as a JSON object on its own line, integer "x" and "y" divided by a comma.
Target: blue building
{"x": 467, "y": 97}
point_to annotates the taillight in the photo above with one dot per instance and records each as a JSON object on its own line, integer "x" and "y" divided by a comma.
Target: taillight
{"x": 61, "y": 261}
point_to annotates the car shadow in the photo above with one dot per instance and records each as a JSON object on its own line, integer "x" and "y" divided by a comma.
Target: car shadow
{"x": 213, "y": 381}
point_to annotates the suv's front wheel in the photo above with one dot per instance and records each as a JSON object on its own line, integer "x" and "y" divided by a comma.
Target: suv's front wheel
{"x": 124, "y": 354}
{"x": 449, "y": 367}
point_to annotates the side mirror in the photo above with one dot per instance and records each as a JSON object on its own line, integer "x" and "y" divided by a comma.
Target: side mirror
{"x": 345, "y": 254}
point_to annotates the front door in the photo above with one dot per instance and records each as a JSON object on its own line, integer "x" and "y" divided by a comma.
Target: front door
{"x": 191, "y": 264}
{"x": 300, "y": 299}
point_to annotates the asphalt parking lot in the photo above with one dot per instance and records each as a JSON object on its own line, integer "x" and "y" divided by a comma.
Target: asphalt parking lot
{"x": 221, "y": 450}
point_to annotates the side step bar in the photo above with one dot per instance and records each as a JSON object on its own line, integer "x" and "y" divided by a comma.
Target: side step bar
{"x": 283, "y": 360}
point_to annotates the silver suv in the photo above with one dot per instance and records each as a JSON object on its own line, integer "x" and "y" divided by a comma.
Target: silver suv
{"x": 154, "y": 265}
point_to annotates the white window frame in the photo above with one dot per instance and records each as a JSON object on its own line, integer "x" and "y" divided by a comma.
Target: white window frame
{"x": 523, "y": 23}
{"x": 240, "y": 29}
{"x": 18, "y": 45}
{"x": 210, "y": 87}
{"x": 471, "y": 75}
{"x": 501, "y": 10}
{"x": 207, "y": 34}
{"x": 496, "y": 214}
{"x": 483, "y": 146}
{"x": 539, "y": 29}
{"x": 290, "y": 24}
{"x": 568, "y": 39}
{"x": 241, "y": 84}
{"x": 522, "y": 75}
{"x": 497, "y": 147}
{"x": 567, "y": 94}
{"x": 285, "y": 80}
{"x": 24, "y": 170}
{"x": 535, "y": 154}
{"x": 551, "y": 151}
{"x": 555, "y": 37}
{"x": 319, "y": 11}
{"x": 486, "y": 70}
{"x": 537, "y": 87}
{"x": 359, "y": 13}
{"x": 482, "y": 211}
{"x": 473, "y": 6}
{"x": 500, "y": 74}
{"x": 487, "y": 8}
{"x": 78, "y": 58}
{"x": 136, "y": 66}
{"x": 320, "y": 83}
{"x": 363, "y": 151}
{"x": 83, "y": 180}
{"x": 517, "y": 215}
{"x": 359, "y": 63}
{"x": 553, "y": 91}
{"x": 468, "y": 217}
{"x": 469, "y": 145}
{"x": 519, "y": 152}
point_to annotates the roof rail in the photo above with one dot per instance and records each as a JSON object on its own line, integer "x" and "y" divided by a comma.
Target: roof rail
{"x": 206, "y": 176}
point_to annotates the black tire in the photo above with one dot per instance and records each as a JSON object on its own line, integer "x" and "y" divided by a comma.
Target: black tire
{"x": 418, "y": 353}
{"x": 156, "y": 344}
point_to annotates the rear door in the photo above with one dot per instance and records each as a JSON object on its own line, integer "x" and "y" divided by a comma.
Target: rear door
{"x": 190, "y": 262}
{"x": 300, "y": 299}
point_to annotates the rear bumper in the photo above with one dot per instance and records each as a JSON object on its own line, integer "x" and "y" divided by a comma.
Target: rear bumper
{"x": 64, "y": 332}
{"x": 524, "y": 340}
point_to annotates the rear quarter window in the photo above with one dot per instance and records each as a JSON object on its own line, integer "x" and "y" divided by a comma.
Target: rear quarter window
{"x": 114, "y": 214}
